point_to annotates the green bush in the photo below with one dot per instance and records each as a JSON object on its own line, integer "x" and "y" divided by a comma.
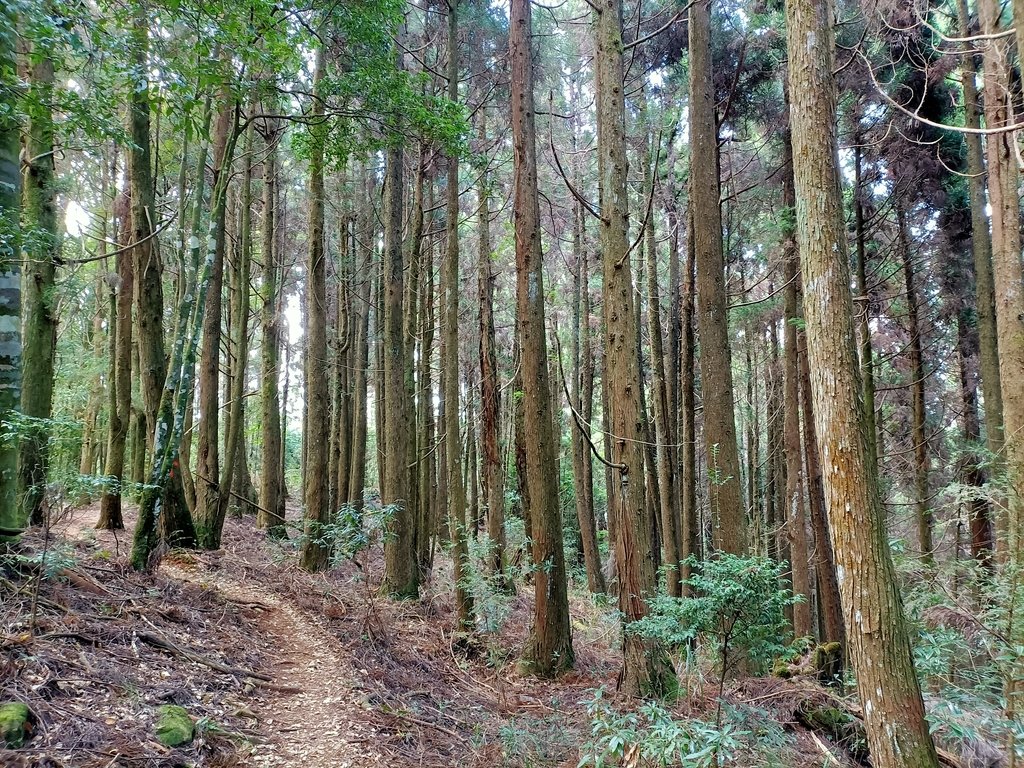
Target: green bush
{"x": 738, "y": 602}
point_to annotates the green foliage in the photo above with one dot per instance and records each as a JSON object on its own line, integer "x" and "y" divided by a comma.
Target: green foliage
{"x": 738, "y": 601}
{"x": 492, "y": 600}
{"x": 350, "y": 531}
{"x": 52, "y": 561}
{"x": 659, "y": 738}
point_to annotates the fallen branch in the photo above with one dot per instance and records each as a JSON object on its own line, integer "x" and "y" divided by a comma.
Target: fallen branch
{"x": 427, "y": 724}
{"x": 159, "y": 641}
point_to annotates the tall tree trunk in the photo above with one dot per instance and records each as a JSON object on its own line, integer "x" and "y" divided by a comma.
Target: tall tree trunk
{"x": 361, "y": 342}
{"x": 796, "y": 523}
{"x": 691, "y": 533}
{"x": 162, "y": 494}
{"x": 1003, "y": 181}
{"x": 426, "y": 424}
{"x": 11, "y": 522}
{"x": 490, "y": 397}
{"x": 776, "y": 458}
{"x": 549, "y": 649}
{"x": 923, "y": 512}
{"x": 271, "y": 514}
{"x": 721, "y": 452}
{"x": 647, "y": 670}
{"x": 829, "y": 600}
{"x": 971, "y": 469}
{"x": 42, "y": 249}
{"x": 120, "y": 395}
{"x": 401, "y": 574}
{"x": 867, "y": 363}
{"x": 315, "y": 550}
{"x": 897, "y": 732}
{"x": 457, "y": 521}
{"x": 234, "y": 443}
{"x": 207, "y": 511}
{"x": 582, "y": 400}
{"x": 174, "y": 520}
{"x": 981, "y": 248}
{"x": 666, "y": 456}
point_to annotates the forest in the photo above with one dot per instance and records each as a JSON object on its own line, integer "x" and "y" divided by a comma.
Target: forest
{"x": 579, "y": 383}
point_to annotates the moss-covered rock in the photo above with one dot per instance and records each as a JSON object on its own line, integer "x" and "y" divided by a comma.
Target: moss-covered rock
{"x": 15, "y": 723}
{"x": 173, "y": 726}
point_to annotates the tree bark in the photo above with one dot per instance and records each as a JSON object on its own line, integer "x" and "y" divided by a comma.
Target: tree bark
{"x": 271, "y": 515}
{"x": 647, "y": 670}
{"x": 720, "y": 447}
{"x": 1003, "y": 183}
{"x": 120, "y": 395}
{"x": 691, "y": 532}
{"x": 457, "y": 522}
{"x": 490, "y": 394}
{"x": 668, "y": 493}
{"x": 207, "y": 517}
{"x": 897, "y": 731}
{"x": 39, "y": 320}
{"x": 549, "y": 649}
{"x": 796, "y": 522}
{"x": 401, "y": 574}
{"x": 11, "y": 522}
{"x": 315, "y": 550}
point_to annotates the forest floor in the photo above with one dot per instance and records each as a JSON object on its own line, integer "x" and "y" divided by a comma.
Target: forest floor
{"x": 284, "y": 668}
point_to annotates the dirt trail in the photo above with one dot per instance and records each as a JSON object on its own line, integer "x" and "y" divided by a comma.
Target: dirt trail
{"x": 319, "y": 727}
{"x": 311, "y": 717}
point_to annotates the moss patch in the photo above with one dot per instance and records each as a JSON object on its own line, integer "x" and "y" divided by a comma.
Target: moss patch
{"x": 15, "y": 723}
{"x": 173, "y": 726}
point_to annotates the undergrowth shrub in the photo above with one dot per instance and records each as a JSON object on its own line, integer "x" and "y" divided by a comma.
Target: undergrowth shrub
{"x": 737, "y": 603}
{"x": 651, "y": 735}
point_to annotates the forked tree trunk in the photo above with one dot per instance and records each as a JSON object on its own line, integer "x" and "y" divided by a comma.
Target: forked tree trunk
{"x": 174, "y": 520}
{"x": 897, "y": 732}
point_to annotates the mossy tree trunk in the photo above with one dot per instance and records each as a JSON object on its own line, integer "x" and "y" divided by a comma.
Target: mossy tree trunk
{"x": 41, "y": 247}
